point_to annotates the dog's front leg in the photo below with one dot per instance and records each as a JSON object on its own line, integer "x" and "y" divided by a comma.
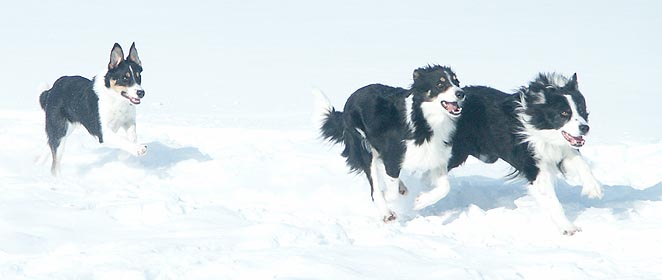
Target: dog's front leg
{"x": 575, "y": 165}
{"x": 112, "y": 139}
{"x": 542, "y": 189}
{"x": 440, "y": 188}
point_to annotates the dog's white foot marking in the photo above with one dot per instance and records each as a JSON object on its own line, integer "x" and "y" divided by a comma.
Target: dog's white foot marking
{"x": 390, "y": 217}
{"x": 571, "y": 230}
{"x": 428, "y": 198}
{"x": 592, "y": 189}
{"x": 141, "y": 150}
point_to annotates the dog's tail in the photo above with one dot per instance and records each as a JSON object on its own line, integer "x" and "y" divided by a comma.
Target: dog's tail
{"x": 43, "y": 90}
{"x": 329, "y": 121}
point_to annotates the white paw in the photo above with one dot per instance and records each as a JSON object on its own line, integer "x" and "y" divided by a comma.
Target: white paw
{"x": 424, "y": 200}
{"x": 428, "y": 198}
{"x": 141, "y": 150}
{"x": 592, "y": 190}
{"x": 390, "y": 217}
{"x": 571, "y": 230}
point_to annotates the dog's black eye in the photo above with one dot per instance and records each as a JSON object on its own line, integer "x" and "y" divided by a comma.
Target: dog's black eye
{"x": 565, "y": 114}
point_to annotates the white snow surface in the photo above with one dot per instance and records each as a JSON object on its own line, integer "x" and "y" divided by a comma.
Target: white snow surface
{"x": 236, "y": 183}
{"x": 222, "y": 197}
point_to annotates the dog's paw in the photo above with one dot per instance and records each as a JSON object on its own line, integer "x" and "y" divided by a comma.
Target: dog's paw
{"x": 390, "y": 217}
{"x": 593, "y": 190}
{"x": 141, "y": 150}
{"x": 424, "y": 200}
{"x": 428, "y": 198}
{"x": 571, "y": 230}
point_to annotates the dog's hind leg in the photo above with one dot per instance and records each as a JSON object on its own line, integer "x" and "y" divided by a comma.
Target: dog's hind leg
{"x": 394, "y": 187}
{"x": 57, "y": 130}
{"x": 379, "y": 179}
{"x": 441, "y": 187}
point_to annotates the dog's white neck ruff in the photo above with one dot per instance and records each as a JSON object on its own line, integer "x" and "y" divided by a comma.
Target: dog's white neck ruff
{"x": 434, "y": 153}
{"x": 548, "y": 145}
{"x": 115, "y": 111}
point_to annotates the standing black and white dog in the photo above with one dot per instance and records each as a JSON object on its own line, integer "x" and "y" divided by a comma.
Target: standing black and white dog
{"x": 102, "y": 105}
{"x": 538, "y": 131}
{"x": 385, "y": 129}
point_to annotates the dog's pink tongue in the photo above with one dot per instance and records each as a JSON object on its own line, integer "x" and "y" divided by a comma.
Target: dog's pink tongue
{"x": 451, "y": 107}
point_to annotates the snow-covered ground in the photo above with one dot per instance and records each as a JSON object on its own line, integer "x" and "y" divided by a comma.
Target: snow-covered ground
{"x": 236, "y": 183}
{"x": 260, "y": 197}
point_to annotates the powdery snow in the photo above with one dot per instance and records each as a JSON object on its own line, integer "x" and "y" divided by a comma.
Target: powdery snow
{"x": 233, "y": 197}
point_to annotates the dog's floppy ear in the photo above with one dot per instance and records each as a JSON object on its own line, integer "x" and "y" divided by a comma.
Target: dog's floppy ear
{"x": 572, "y": 84}
{"x": 133, "y": 54}
{"x": 116, "y": 56}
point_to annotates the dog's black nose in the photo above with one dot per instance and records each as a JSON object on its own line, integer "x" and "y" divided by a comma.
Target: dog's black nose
{"x": 459, "y": 94}
{"x": 583, "y": 128}
{"x": 140, "y": 93}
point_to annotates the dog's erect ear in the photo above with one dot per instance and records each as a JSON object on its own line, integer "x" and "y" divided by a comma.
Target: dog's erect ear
{"x": 572, "y": 84}
{"x": 133, "y": 54}
{"x": 535, "y": 94}
{"x": 536, "y": 97}
{"x": 416, "y": 74}
{"x": 116, "y": 56}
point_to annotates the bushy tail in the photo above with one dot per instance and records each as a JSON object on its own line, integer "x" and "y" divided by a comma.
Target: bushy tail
{"x": 327, "y": 119}
{"x": 43, "y": 96}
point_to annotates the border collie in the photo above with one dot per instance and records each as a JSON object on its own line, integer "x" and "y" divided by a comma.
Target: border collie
{"x": 102, "y": 105}
{"x": 385, "y": 129}
{"x": 538, "y": 131}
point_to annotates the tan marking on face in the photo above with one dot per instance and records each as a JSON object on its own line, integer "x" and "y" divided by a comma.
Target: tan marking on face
{"x": 117, "y": 88}
{"x": 442, "y": 79}
{"x": 128, "y": 75}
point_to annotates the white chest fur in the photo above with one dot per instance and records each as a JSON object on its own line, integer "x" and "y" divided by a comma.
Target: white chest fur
{"x": 434, "y": 153}
{"x": 115, "y": 111}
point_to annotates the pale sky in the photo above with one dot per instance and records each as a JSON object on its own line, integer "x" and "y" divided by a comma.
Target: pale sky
{"x": 266, "y": 56}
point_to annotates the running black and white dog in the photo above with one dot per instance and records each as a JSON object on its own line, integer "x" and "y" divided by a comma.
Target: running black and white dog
{"x": 102, "y": 105}
{"x": 385, "y": 129}
{"x": 538, "y": 131}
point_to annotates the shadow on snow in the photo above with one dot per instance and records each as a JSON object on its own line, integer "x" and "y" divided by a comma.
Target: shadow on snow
{"x": 159, "y": 157}
{"x": 489, "y": 193}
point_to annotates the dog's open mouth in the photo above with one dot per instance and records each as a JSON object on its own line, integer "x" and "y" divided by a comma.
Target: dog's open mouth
{"x": 132, "y": 99}
{"x": 452, "y": 107}
{"x": 577, "y": 141}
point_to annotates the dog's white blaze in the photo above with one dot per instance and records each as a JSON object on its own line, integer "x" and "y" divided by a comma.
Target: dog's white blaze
{"x": 576, "y": 120}
{"x": 132, "y": 91}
